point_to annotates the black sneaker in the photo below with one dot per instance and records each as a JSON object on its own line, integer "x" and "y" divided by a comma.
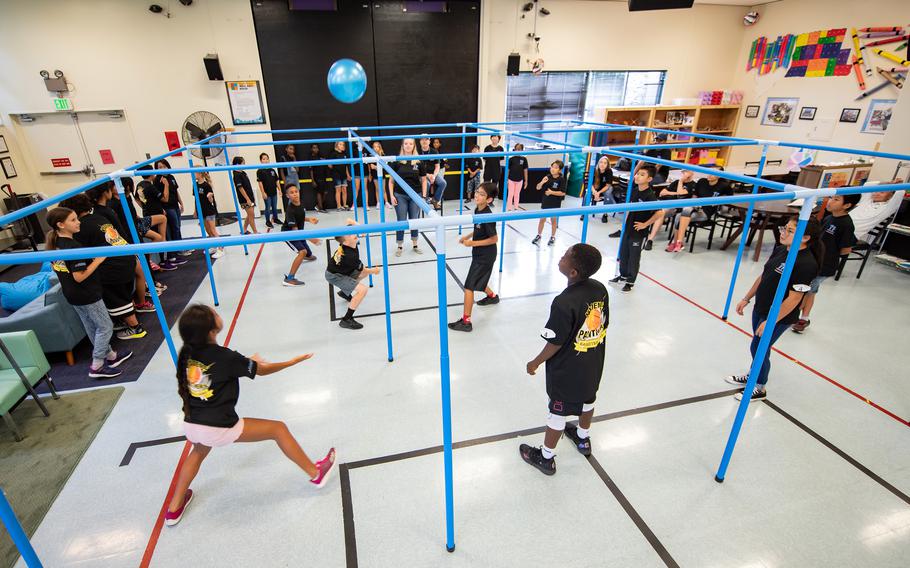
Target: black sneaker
{"x": 535, "y": 240}
{"x": 535, "y": 457}
{"x": 551, "y": 242}
{"x": 269, "y": 225}
{"x": 756, "y": 394}
{"x": 627, "y": 287}
{"x": 119, "y": 359}
{"x": 582, "y": 445}
{"x": 350, "y": 323}
{"x": 604, "y": 218}
{"x": 616, "y": 280}
{"x": 104, "y": 372}
{"x": 738, "y": 380}
{"x": 649, "y": 244}
{"x": 346, "y": 297}
{"x": 616, "y": 234}
{"x": 488, "y": 301}
{"x": 461, "y": 325}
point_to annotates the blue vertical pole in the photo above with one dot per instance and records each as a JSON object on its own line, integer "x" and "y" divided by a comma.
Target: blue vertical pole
{"x": 765, "y": 343}
{"x": 565, "y": 157}
{"x": 366, "y": 206}
{"x": 230, "y": 176}
{"x": 587, "y": 199}
{"x": 208, "y": 258}
{"x": 464, "y": 129}
{"x": 747, "y": 223}
{"x": 445, "y": 385}
{"x": 17, "y": 535}
{"x": 504, "y": 186}
{"x": 622, "y": 229}
{"x": 353, "y": 193}
{"x": 385, "y": 263}
{"x": 146, "y": 271}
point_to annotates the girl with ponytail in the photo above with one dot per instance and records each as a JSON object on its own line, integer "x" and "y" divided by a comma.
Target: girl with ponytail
{"x": 82, "y": 289}
{"x": 805, "y": 269}
{"x": 208, "y": 384}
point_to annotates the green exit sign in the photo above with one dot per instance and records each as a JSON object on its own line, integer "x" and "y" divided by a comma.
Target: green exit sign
{"x": 63, "y": 104}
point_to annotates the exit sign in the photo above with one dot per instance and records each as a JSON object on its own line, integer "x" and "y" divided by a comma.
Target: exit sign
{"x": 63, "y": 104}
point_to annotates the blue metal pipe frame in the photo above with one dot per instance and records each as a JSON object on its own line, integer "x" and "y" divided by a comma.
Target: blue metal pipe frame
{"x": 433, "y": 220}
{"x": 208, "y": 257}
{"x": 233, "y": 190}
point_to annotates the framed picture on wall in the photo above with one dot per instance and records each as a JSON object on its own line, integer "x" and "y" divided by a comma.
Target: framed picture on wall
{"x": 879, "y": 116}
{"x": 245, "y": 99}
{"x": 3, "y": 147}
{"x": 9, "y": 170}
{"x": 752, "y": 111}
{"x": 780, "y": 111}
{"x": 838, "y": 177}
{"x": 849, "y": 115}
{"x": 807, "y": 113}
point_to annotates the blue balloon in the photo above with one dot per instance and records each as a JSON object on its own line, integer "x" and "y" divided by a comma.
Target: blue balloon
{"x": 347, "y": 80}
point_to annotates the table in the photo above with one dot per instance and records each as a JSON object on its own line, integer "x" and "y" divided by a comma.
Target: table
{"x": 771, "y": 215}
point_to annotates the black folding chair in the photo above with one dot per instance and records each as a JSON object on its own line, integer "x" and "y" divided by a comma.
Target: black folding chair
{"x": 863, "y": 249}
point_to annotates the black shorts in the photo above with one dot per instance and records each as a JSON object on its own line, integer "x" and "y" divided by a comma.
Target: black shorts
{"x": 550, "y": 203}
{"x": 479, "y": 274}
{"x": 118, "y": 298}
{"x": 562, "y": 408}
{"x": 300, "y": 246}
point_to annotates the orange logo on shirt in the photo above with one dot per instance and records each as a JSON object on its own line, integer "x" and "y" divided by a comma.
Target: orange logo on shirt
{"x": 199, "y": 381}
{"x": 112, "y": 236}
{"x": 592, "y": 332}
{"x": 59, "y": 266}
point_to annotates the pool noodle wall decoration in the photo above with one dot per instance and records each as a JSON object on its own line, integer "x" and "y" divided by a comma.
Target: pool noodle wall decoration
{"x": 439, "y": 223}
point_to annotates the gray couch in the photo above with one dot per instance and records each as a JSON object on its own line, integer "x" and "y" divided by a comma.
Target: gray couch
{"x": 54, "y": 321}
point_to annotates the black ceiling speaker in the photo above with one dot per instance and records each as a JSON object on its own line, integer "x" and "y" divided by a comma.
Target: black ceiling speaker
{"x": 642, "y": 5}
{"x": 213, "y": 67}
{"x": 514, "y": 64}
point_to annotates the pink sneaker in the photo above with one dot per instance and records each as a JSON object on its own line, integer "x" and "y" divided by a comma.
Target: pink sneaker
{"x": 145, "y": 307}
{"x": 324, "y": 467}
{"x": 172, "y": 518}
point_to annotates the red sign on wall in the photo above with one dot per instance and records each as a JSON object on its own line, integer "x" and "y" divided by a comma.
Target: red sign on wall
{"x": 173, "y": 141}
{"x": 107, "y": 157}
{"x": 61, "y": 163}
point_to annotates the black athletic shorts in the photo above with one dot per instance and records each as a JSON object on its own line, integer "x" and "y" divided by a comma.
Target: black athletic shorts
{"x": 479, "y": 274}
{"x": 118, "y": 298}
{"x": 561, "y": 408}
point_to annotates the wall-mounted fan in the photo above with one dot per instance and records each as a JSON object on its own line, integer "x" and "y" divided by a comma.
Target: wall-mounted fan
{"x": 198, "y": 126}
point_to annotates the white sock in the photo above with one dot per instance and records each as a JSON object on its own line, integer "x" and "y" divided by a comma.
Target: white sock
{"x": 547, "y": 452}
{"x": 582, "y": 433}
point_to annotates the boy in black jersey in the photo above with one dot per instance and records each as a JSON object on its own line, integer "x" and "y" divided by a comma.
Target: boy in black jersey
{"x": 482, "y": 241}
{"x": 838, "y": 236}
{"x": 574, "y": 355}
{"x": 294, "y": 220}
{"x": 638, "y": 224}
{"x": 345, "y": 272}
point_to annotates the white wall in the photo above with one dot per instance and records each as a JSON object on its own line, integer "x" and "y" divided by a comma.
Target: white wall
{"x": 698, "y": 47}
{"x": 829, "y": 94}
{"x": 118, "y": 55}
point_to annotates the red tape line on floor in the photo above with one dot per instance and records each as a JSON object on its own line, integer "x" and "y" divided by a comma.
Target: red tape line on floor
{"x": 159, "y": 522}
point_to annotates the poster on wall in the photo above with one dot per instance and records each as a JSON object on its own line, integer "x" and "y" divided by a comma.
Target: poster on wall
{"x": 779, "y": 111}
{"x": 860, "y": 175}
{"x": 879, "y": 116}
{"x": 839, "y": 177}
{"x": 245, "y": 99}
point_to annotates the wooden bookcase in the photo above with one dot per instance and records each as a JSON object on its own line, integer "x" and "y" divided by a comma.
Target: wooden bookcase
{"x": 687, "y": 121}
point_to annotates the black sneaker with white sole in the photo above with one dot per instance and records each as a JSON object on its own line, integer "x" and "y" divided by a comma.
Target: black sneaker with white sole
{"x": 615, "y": 234}
{"x": 756, "y": 394}
{"x": 535, "y": 457}
{"x": 583, "y": 445}
{"x": 551, "y": 242}
{"x": 616, "y": 280}
{"x": 628, "y": 287}
{"x": 738, "y": 380}
{"x": 535, "y": 240}
{"x": 488, "y": 301}
{"x": 461, "y": 325}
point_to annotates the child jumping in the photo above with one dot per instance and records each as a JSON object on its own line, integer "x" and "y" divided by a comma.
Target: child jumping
{"x": 553, "y": 195}
{"x": 82, "y": 289}
{"x": 345, "y": 272}
{"x": 574, "y": 356}
{"x": 294, "y": 219}
{"x": 483, "y": 241}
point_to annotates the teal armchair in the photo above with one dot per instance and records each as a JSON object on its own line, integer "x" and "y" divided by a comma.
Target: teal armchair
{"x": 22, "y": 367}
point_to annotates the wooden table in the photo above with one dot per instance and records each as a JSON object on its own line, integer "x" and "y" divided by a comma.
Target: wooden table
{"x": 771, "y": 215}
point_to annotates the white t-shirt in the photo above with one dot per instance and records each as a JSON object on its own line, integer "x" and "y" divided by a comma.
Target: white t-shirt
{"x": 867, "y": 213}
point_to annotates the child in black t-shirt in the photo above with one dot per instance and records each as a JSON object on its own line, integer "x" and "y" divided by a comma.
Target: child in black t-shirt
{"x": 341, "y": 176}
{"x": 208, "y": 383}
{"x": 838, "y": 236}
{"x": 474, "y": 167}
{"x": 574, "y": 355}
{"x": 518, "y": 178}
{"x": 245, "y": 197}
{"x": 81, "y": 287}
{"x": 638, "y": 224}
{"x": 805, "y": 269}
{"x": 554, "y": 186}
{"x": 268, "y": 188}
{"x": 602, "y": 184}
{"x": 294, "y": 220}
{"x": 492, "y": 167}
{"x": 345, "y": 272}
{"x": 482, "y": 241}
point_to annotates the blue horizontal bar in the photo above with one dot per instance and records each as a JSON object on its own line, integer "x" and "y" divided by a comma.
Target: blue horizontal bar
{"x": 418, "y": 199}
{"x": 51, "y": 201}
{"x": 252, "y": 166}
{"x": 274, "y": 142}
{"x": 565, "y": 145}
{"x": 874, "y": 153}
{"x": 687, "y": 145}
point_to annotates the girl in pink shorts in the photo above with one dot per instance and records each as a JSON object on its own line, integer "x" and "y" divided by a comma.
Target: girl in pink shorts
{"x": 208, "y": 382}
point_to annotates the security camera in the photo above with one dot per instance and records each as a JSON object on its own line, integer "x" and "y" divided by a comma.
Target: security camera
{"x": 544, "y": 12}
{"x": 155, "y": 9}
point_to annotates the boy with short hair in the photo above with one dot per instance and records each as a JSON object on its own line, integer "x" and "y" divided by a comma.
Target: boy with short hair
{"x": 483, "y": 241}
{"x": 838, "y": 236}
{"x": 637, "y": 228}
{"x": 345, "y": 272}
{"x": 574, "y": 355}
{"x": 294, "y": 219}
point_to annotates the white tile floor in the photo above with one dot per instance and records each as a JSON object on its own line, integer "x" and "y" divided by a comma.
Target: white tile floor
{"x": 789, "y": 500}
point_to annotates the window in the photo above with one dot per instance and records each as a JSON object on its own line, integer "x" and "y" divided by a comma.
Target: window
{"x": 574, "y": 95}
